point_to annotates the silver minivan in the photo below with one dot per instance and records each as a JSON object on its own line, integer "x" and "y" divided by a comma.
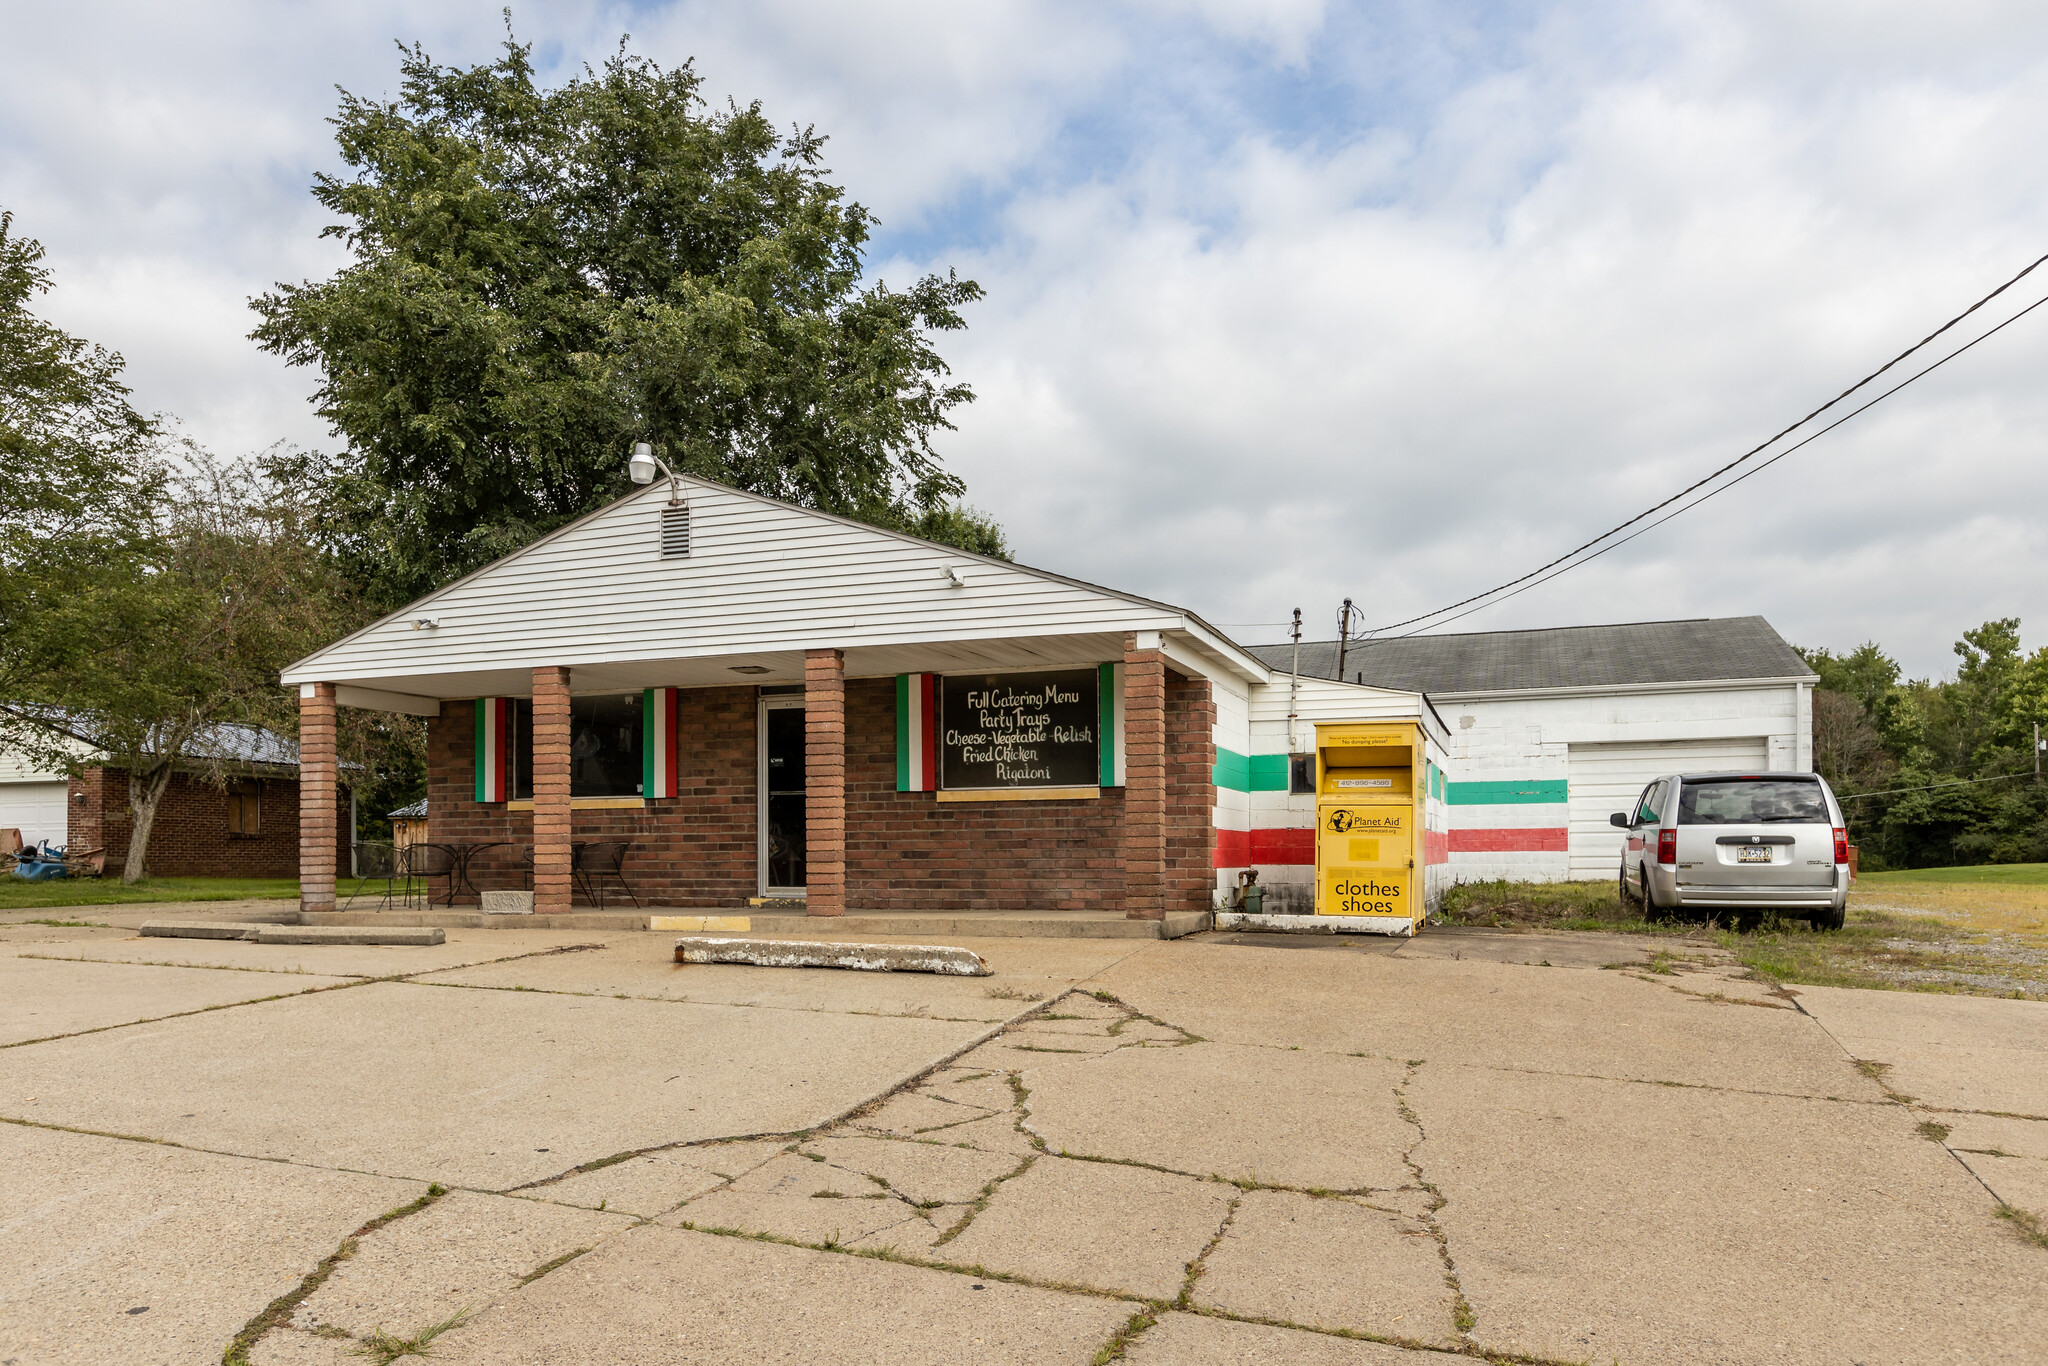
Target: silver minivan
{"x": 1737, "y": 841}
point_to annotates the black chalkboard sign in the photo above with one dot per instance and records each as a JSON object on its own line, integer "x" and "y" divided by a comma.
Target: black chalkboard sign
{"x": 1020, "y": 730}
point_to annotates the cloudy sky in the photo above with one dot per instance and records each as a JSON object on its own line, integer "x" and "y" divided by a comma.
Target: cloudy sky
{"x": 1286, "y": 300}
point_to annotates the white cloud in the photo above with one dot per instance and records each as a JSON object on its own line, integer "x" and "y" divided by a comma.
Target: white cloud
{"x": 1286, "y": 301}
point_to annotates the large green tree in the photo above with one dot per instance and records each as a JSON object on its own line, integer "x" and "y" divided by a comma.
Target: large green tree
{"x": 541, "y": 277}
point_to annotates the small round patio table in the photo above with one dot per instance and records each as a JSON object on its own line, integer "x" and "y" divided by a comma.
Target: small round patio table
{"x": 460, "y": 852}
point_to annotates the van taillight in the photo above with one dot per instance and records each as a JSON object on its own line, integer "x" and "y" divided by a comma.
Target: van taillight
{"x": 1841, "y": 847}
{"x": 1667, "y": 846}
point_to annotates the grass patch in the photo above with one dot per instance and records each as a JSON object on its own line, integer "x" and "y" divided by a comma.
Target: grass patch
{"x": 1546, "y": 906}
{"x": 1951, "y": 949}
{"x": 68, "y": 924}
{"x": 1983, "y": 874}
{"x": 2029, "y": 1226}
{"x": 19, "y": 894}
{"x": 1889, "y": 950}
{"x": 383, "y": 1348}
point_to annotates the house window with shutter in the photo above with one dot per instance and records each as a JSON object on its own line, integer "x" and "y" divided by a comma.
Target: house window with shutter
{"x": 245, "y": 808}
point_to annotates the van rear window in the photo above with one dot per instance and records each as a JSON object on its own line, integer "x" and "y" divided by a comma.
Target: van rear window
{"x": 1752, "y": 801}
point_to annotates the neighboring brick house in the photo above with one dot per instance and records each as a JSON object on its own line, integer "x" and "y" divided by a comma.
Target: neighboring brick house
{"x": 247, "y": 826}
{"x": 766, "y": 702}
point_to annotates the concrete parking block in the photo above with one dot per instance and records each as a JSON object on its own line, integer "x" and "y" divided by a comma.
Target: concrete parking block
{"x": 1591, "y": 1219}
{"x": 1968, "y": 1052}
{"x": 1095, "y": 1224}
{"x": 655, "y": 1182}
{"x": 2019, "y": 1181}
{"x": 41, "y": 999}
{"x": 94, "y": 1228}
{"x": 1214, "y": 1109}
{"x": 644, "y": 965}
{"x": 1329, "y": 1263}
{"x": 665, "y": 1297}
{"x": 1195, "y": 1340}
{"x": 461, "y": 1252}
{"x": 1544, "y": 1019}
{"x": 919, "y": 1171}
{"x": 1997, "y": 1133}
{"x": 488, "y": 1089}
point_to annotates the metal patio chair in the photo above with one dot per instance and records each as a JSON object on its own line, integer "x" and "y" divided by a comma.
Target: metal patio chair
{"x": 593, "y": 863}
{"x": 389, "y": 865}
{"x": 425, "y": 862}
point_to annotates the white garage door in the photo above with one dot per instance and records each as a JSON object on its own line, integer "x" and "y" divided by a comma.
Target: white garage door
{"x": 35, "y": 809}
{"x": 1605, "y": 779}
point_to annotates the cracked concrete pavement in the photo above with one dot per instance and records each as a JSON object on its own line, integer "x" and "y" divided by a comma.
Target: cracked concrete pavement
{"x": 541, "y": 1146}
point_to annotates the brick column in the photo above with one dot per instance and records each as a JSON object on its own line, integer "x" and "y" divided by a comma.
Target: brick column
{"x": 1144, "y": 781}
{"x": 825, "y": 782}
{"x": 552, "y": 883}
{"x": 318, "y": 790}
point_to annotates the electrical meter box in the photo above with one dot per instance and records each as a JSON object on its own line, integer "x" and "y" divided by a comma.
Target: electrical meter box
{"x": 1372, "y": 790}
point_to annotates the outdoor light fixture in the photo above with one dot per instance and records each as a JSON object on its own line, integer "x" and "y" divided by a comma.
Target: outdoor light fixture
{"x": 643, "y": 466}
{"x": 425, "y": 624}
{"x": 751, "y": 669}
{"x": 954, "y": 578}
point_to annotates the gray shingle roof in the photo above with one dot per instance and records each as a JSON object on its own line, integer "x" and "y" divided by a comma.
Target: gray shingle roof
{"x": 1703, "y": 649}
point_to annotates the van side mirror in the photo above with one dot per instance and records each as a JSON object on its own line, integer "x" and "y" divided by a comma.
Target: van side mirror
{"x": 1619, "y": 818}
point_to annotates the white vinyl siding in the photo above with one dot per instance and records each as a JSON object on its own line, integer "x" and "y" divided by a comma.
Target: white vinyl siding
{"x": 1605, "y": 779}
{"x": 760, "y": 577}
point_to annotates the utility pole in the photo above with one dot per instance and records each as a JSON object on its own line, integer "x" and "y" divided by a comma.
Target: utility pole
{"x": 2037, "y": 752}
{"x": 1344, "y": 615}
{"x": 1294, "y": 690}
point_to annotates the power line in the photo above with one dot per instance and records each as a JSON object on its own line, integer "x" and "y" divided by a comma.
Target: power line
{"x": 1714, "y": 492}
{"x": 1746, "y": 455}
{"x": 1960, "y": 782}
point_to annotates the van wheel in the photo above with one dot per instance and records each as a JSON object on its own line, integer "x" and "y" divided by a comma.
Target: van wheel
{"x": 1829, "y": 920}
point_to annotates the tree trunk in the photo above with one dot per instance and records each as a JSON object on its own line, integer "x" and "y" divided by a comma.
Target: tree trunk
{"x": 144, "y": 792}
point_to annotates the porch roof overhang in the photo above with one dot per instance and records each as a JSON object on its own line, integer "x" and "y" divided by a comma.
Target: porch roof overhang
{"x": 1196, "y": 652}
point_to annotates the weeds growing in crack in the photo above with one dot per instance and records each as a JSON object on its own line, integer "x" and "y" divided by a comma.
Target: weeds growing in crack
{"x": 1462, "y": 1316}
{"x": 382, "y": 1348}
{"x": 1013, "y": 994}
{"x": 980, "y": 1202}
{"x": 1933, "y": 1130}
{"x": 281, "y": 1309}
{"x": 1200, "y": 1262}
{"x": 2031, "y": 1227}
{"x": 1113, "y": 1350}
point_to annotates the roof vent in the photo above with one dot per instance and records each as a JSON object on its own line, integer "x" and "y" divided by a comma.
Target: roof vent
{"x": 675, "y": 531}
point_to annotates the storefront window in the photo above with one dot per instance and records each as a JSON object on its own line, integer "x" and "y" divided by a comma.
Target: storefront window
{"x": 604, "y": 747}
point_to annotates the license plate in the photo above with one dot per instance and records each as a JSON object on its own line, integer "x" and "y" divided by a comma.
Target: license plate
{"x": 1760, "y": 853}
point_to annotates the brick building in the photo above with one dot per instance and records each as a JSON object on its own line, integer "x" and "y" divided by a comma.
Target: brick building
{"x": 764, "y": 701}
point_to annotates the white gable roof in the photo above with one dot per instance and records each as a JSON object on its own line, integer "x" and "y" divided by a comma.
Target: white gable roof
{"x": 763, "y": 582}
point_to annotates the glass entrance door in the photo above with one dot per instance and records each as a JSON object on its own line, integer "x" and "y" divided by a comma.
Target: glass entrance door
{"x": 782, "y": 796}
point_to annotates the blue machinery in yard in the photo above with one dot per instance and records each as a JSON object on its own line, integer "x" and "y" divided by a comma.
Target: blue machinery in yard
{"x": 40, "y": 863}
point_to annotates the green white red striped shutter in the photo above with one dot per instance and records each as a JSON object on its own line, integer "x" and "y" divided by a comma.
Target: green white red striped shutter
{"x": 917, "y": 739}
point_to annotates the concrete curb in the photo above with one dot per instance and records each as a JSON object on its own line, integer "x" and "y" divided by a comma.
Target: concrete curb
{"x": 1400, "y": 927}
{"x": 798, "y": 953}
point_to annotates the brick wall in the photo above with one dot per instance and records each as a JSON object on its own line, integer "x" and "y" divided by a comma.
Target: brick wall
{"x": 695, "y": 849}
{"x": 904, "y": 850}
{"x": 190, "y": 836}
{"x": 1190, "y": 793}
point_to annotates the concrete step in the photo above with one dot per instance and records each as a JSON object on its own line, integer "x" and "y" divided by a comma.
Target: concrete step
{"x": 924, "y": 924}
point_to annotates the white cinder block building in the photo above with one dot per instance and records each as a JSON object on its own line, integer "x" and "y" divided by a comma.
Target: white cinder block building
{"x": 1553, "y": 731}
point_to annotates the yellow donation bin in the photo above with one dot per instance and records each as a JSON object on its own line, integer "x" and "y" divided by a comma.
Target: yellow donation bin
{"x": 1369, "y": 794}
